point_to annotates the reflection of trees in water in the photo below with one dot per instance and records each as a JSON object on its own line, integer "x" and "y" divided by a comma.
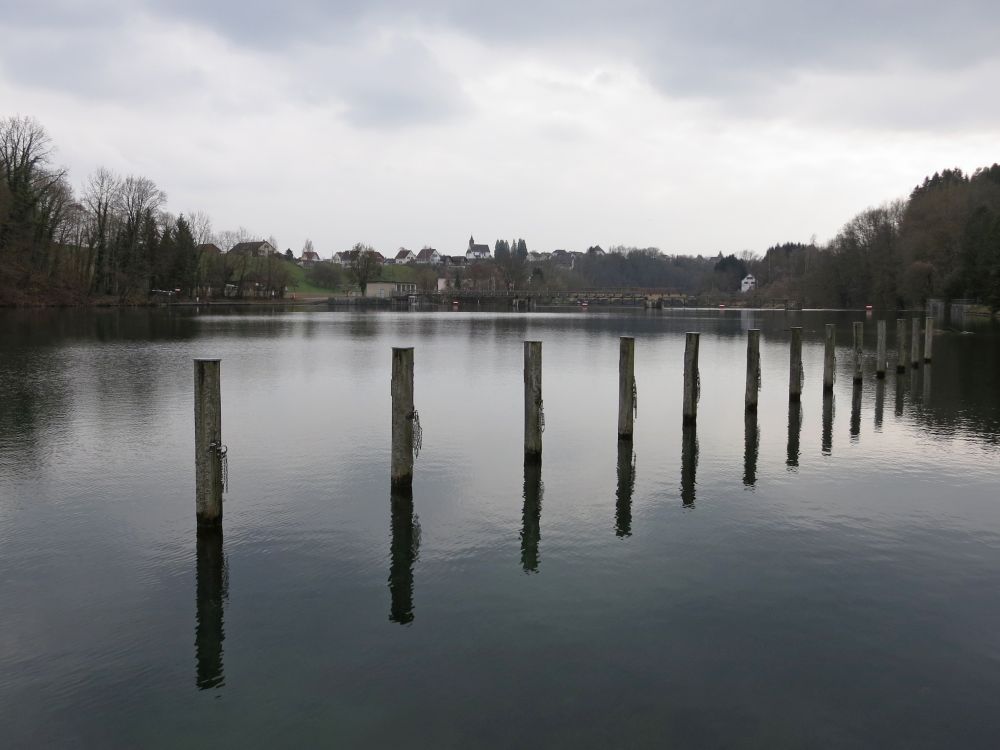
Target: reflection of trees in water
{"x": 212, "y": 589}
{"x": 403, "y": 551}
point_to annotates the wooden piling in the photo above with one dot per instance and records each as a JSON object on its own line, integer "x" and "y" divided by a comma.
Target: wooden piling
{"x": 403, "y": 416}
{"x": 917, "y": 339}
{"x": 795, "y": 365}
{"x": 208, "y": 449}
{"x": 829, "y": 356}
{"x": 928, "y": 337}
{"x": 533, "y": 401}
{"x": 753, "y": 368}
{"x": 901, "y": 345}
{"x": 691, "y": 377}
{"x": 880, "y": 357}
{"x": 859, "y": 350}
{"x": 626, "y": 387}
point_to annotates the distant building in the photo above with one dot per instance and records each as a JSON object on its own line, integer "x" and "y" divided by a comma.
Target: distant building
{"x": 210, "y": 248}
{"x": 386, "y": 289}
{"x": 537, "y": 257}
{"x": 477, "y": 252}
{"x": 429, "y": 255}
{"x": 309, "y": 259}
{"x": 255, "y": 249}
{"x": 405, "y": 256}
{"x": 748, "y": 284}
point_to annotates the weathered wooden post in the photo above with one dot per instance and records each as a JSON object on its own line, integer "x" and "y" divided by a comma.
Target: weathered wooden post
{"x": 533, "y": 401}
{"x": 208, "y": 448}
{"x": 753, "y": 368}
{"x": 915, "y": 343}
{"x": 829, "y": 357}
{"x": 795, "y": 365}
{"x": 859, "y": 350}
{"x": 928, "y": 337}
{"x": 901, "y": 345}
{"x": 691, "y": 378}
{"x": 626, "y": 387}
{"x": 880, "y": 357}
{"x": 402, "y": 418}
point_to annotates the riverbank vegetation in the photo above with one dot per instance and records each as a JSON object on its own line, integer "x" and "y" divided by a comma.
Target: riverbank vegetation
{"x": 112, "y": 240}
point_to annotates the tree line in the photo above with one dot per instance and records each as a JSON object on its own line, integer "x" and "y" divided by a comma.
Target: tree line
{"x": 114, "y": 238}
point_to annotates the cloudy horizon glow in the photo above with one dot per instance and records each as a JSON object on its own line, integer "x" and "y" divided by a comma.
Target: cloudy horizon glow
{"x": 718, "y": 127}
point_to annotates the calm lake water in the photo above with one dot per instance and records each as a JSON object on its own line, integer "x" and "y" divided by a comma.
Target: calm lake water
{"x": 823, "y": 578}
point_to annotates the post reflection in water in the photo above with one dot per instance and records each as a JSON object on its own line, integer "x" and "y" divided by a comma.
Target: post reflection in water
{"x": 794, "y": 433}
{"x": 915, "y": 392}
{"x": 855, "y": 412}
{"x": 827, "y": 444}
{"x": 879, "y": 403}
{"x": 626, "y": 485}
{"x": 689, "y": 463}
{"x": 531, "y": 516}
{"x": 211, "y": 590}
{"x": 751, "y": 442}
{"x": 927, "y": 384}
{"x": 403, "y": 551}
{"x": 900, "y": 385}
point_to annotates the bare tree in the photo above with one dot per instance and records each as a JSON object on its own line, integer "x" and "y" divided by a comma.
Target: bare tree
{"x": 201, "y": 227}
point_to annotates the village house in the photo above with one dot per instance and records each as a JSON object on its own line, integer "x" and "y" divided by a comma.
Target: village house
{"x": 309, "y": 259}
{"x": 388, "y": 289}
{"x": 429, "y": 255}
{"x": 477, "y": 252}
{"x": 748, "y": 284}
{"x": 405, "y": 256}
{"x": 208, "y": 248}
{"x": 255, "y": 249}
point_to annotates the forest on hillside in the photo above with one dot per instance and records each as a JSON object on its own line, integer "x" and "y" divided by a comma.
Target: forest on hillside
{"x": 113, "y": 239}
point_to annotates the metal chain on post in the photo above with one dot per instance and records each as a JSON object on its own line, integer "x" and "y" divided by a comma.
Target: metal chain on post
{"x": 635, "y": 400}
{"x": 697, "y": 388}
{"x": 223, "y": 453}
{"x": 418, "y": 434}
{"x": 541, "y": 415}
{"x": 757, "y": 376}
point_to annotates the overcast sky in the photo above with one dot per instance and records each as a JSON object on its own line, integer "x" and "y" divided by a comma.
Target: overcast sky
{"x": 693, "y": 127}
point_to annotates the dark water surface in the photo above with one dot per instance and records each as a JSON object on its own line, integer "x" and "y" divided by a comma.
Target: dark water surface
{"x": 827, "y": 576}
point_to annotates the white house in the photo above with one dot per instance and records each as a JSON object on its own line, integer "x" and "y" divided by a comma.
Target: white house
{"x": 405, "y": 256}
{"x": 748, "y": 284}
{"x": 429, "y": 255}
